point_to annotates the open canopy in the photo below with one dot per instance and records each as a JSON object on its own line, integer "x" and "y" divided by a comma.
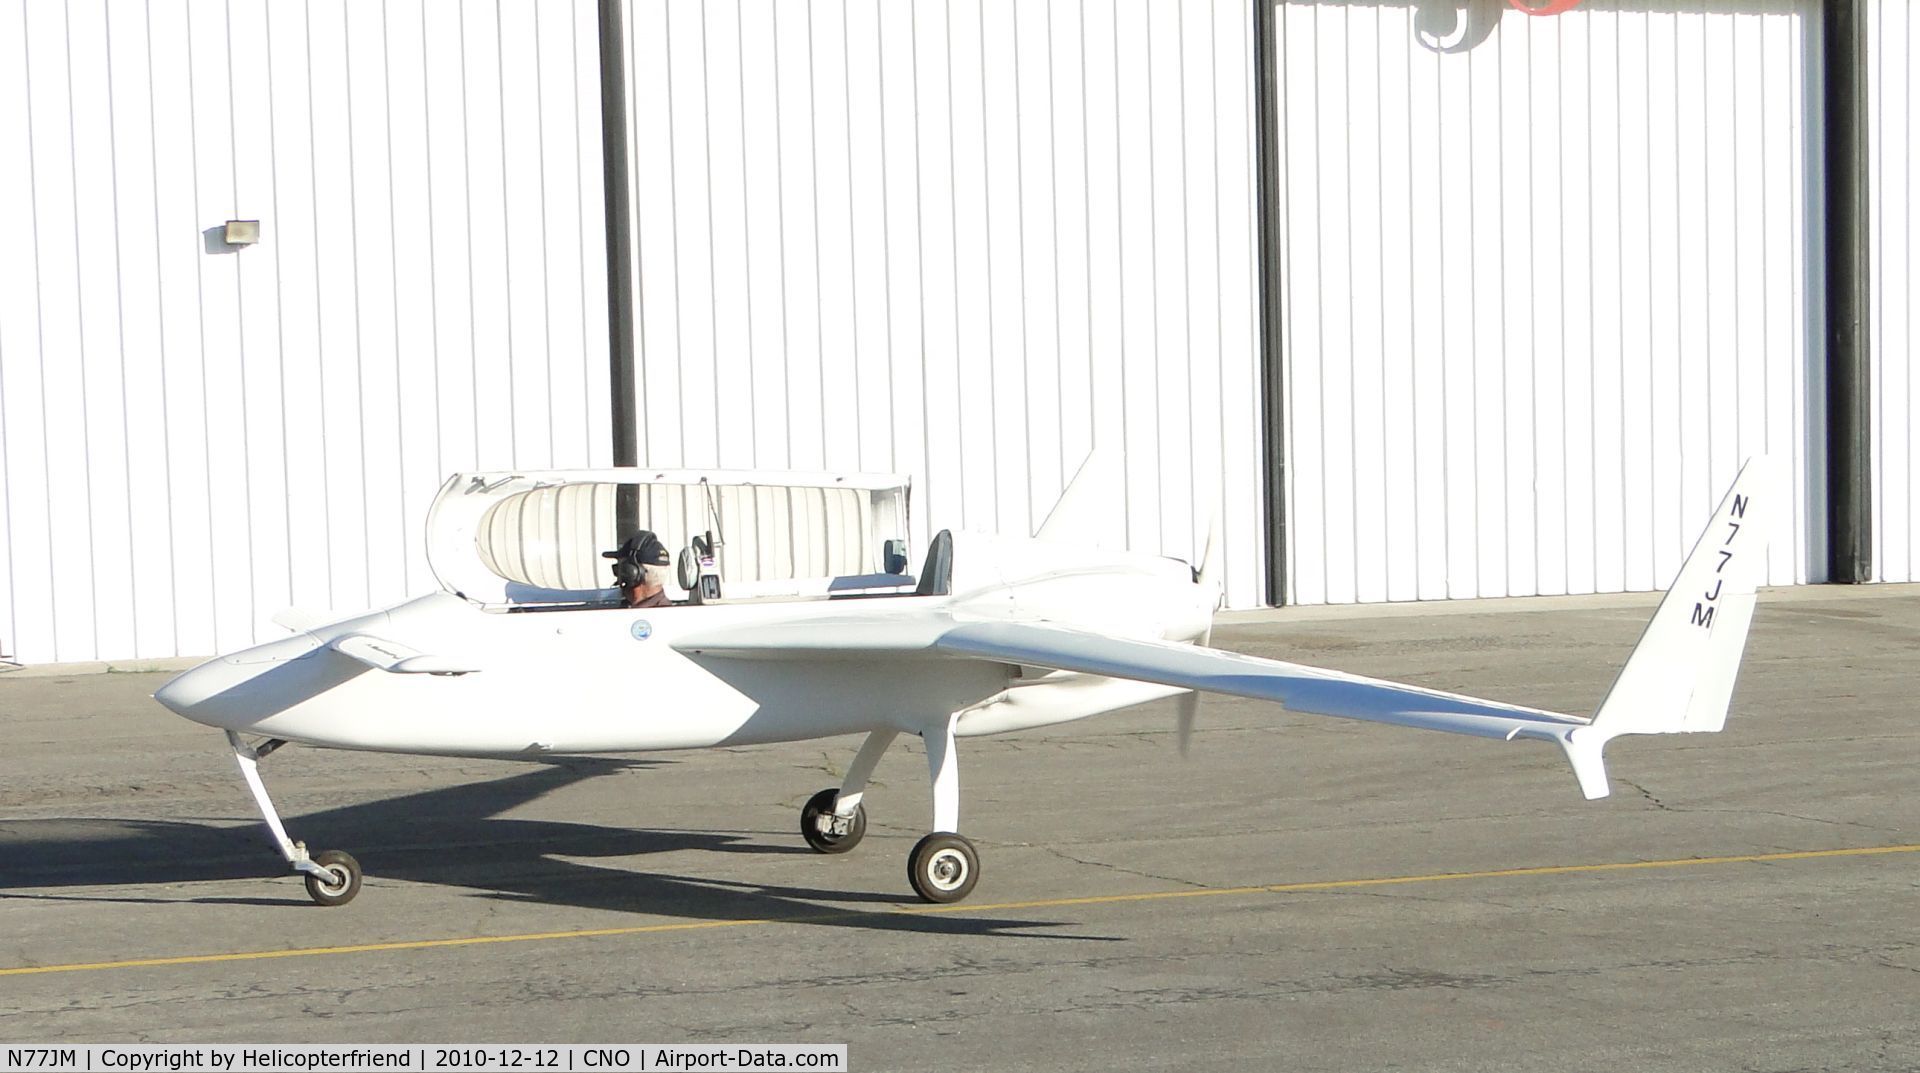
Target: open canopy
{"x": 536, "y": 536}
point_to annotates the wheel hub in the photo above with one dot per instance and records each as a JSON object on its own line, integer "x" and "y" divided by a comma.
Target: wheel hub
{"x": 947, "y": 869}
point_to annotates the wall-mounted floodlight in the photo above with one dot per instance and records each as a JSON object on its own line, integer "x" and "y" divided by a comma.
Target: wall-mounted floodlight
{"x": 242, "y": 232}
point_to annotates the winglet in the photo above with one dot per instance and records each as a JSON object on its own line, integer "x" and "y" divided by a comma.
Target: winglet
{"x": 1679, "y": 678}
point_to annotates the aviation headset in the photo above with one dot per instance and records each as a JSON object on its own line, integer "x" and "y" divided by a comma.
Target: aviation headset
{"x": 630, "y": 560}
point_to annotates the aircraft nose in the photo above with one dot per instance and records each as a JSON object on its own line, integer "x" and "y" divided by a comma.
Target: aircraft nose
{"x": 229, "y": 692}
{"x": 186, "y": 694}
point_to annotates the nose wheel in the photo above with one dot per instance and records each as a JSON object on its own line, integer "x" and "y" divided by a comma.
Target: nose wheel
{"x": 337, "y": 880}
{"x": 825, "y": 830}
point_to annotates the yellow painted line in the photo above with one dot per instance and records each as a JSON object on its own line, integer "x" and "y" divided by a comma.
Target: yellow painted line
{"x": 1046, "y": 903}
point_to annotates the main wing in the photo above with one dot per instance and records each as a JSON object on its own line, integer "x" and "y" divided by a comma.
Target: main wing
{"x": 1300, "y": 688}
{"x": 1678, "y": 679}
{"x": 1311, "y": 690}
{"x": 1039, "y": 643}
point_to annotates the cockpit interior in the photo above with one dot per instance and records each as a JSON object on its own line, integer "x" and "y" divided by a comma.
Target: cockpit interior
{"x": 545, "y": 541}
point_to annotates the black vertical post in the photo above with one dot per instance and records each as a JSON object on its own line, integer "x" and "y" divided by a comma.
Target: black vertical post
{"x": 620, "y": 289}
{"x": 1849, "y": 384}
{"x": 1266, "y": 196}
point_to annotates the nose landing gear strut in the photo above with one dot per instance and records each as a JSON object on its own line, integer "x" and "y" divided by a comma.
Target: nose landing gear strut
{"x": 333, "y": 876}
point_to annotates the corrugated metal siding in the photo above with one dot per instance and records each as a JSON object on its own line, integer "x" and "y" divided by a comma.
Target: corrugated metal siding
{"x": 191, "y": 439}
{"x": 952, "y": 240}
{"x": 958, "y": 240}
{"x": 1543, "y": 294}
{"x": 1894, "y": 97}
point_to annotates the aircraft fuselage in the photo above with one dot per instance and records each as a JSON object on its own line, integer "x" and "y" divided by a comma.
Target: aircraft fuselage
{"x": 598, "y": 679}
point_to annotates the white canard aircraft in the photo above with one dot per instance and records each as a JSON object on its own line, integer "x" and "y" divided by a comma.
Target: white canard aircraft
{"x": 821, "y": 633}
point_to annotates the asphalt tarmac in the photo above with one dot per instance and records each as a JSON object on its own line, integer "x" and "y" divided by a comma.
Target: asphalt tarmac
{"x": 1299, "y": 893}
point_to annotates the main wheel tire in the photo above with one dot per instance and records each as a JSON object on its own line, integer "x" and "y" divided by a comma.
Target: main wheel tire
{"x": 943, "y": 868}
{"x": 344, "y": 881}
{"x": 819, "y": 808}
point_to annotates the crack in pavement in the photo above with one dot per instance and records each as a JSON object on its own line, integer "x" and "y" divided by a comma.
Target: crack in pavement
{"x": 1065, "y": 856}
{"x": 1690, "y": 810}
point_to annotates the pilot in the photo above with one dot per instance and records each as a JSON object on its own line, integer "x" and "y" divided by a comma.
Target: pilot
{"x": 640, "y": 570}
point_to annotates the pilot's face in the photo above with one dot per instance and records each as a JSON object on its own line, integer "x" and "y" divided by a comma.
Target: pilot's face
{"x": 641, "y": 590}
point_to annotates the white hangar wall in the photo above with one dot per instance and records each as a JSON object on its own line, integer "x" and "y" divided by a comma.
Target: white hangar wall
{"x": 191, "y": 440}
{"x": 1894, "y": 99}
{"x": 955, "y": 240}
{"x": 1542, "y": 294}
{"x": 960, "y": 240}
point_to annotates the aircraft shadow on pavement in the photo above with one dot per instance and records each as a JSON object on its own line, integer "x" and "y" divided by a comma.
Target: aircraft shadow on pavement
{"x": 452, "y": 836}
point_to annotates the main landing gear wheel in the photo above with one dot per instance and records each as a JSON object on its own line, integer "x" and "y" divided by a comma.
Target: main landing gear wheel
{"x": 342, "y": 880}
{"x": 826, "y": 832}
{"x": 943, "y": 868}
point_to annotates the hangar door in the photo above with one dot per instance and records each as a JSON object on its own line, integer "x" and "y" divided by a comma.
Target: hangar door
{"x": 961, "y": 241}
{"x": 1544, "y": 288}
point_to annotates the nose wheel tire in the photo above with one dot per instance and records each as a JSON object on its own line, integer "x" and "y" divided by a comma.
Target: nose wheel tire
{"x": 342, "y": 880}
{"x": 943, "y": 868}
{"x": 826, "y": 832}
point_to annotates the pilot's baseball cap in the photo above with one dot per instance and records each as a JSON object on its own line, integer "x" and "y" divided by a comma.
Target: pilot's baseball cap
{"x": 642, "y": 547}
